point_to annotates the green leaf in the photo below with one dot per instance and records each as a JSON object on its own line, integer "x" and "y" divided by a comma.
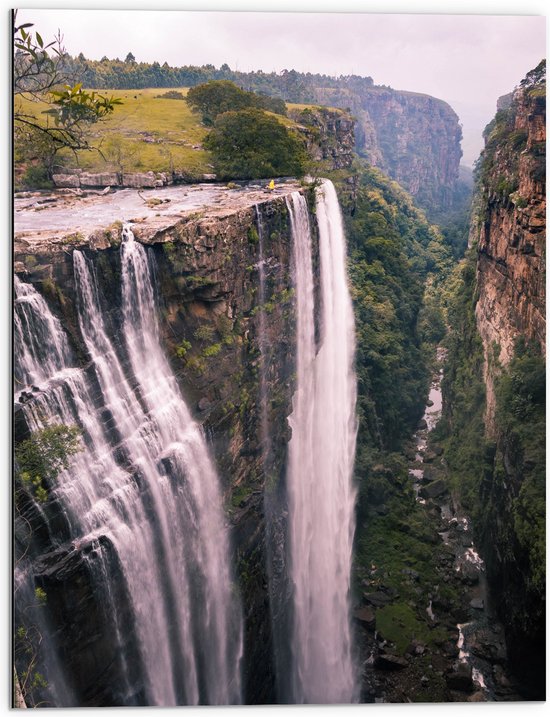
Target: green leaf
{"x": 39, "y": 40}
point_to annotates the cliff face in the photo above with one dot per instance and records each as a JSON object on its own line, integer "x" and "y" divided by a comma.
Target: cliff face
{"x": 510, "y": 231}
{"x": 329, "y": 133}
{"x": 510, "y": 316}
{"x": 413, "y": 138}
{"x": 207, "y": 272}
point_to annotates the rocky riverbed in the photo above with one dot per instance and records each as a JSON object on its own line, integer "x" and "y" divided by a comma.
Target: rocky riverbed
{"x": 438, "y": 642}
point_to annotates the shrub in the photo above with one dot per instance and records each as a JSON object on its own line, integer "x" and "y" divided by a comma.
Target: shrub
{"x": 205, "y": 333}
{"x": 42, "y": 456}
{"x": 36, "y": 176}
{"x": 170, "y": 95}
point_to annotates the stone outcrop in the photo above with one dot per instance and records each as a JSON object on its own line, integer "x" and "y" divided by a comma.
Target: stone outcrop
{"x": 77, "y": 179}
{"x": 329, "y": 133}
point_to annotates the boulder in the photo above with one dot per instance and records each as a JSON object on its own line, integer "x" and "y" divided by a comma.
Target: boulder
{"x": 105, "y": 179}
{"x": 416, "y": 648}
{"x": 203, "y": 404}
{"x": 429, "y": 456}
{"x": 366, "y": 616}
{"x": 430, "y": 474}
{"x": 378, "y": 599}
{"x": 66, "y": 180}
{"x": 434, "y": 489}
{"x": 422, "y": 424}
{"x": 390, "y": 662}
{"x": 139, "y": 180}
{"x": 461, "y": 679}
{"x": 489, "y": 644}
{"x": 469, "y": 573}
{"x": 478, "y": 696}
{"x": 477, "y": 604}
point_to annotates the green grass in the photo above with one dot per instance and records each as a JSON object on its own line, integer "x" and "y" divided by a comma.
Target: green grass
{"x": 143, "y": 116}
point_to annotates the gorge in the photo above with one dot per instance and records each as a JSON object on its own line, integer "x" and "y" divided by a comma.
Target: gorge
{"x": 279, "y": 442}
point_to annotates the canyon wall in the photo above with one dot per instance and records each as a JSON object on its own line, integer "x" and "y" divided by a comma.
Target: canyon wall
{"x": 510, "y": 231}
{"x": 505, "y": 462}
{"x": 413, "y": 138}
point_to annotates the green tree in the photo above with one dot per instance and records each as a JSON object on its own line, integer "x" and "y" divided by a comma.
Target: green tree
{"x": 252, "y": 144}
{"x": 40, "y": 458}
{"x": 39, "y": 74}
{"x": 215, "y": 97}
{"x": 38, "y": 461}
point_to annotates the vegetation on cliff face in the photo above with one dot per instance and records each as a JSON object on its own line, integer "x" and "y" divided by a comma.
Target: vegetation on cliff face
{"x": 521, "y": 401}
{"x": 493, "y": 423}
{"x": 40, "y": 458}
{"x": 393, "y": 251}
{"x": 463, "y": 388}
{"x": 505, "y": 142}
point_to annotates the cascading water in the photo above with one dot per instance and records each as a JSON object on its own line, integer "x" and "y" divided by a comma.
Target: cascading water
{"x": 320, "y": 463}
{"x": 143, "y": 482}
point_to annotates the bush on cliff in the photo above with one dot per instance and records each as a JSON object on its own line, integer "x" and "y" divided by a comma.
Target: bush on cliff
{"x": 251, "y": 144}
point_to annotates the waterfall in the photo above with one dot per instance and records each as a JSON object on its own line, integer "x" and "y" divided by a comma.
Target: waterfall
{"x": 320, "y": 463}
{"x": 144, "y": 483}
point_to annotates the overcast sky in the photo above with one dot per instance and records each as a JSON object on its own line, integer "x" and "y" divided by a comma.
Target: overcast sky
{"x": 467, "y": 60}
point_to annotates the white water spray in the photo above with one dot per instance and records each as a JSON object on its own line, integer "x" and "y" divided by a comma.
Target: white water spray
{"x": 321, "y": 456}
{"x": 144, "y": 481}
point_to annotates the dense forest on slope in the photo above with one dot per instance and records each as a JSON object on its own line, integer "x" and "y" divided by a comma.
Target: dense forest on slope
{"x": 117, "y": 74}
{"x": 394, "y": 252}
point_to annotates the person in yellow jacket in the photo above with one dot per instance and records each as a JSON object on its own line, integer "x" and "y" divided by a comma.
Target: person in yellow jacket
{"x": 271, "y": 185}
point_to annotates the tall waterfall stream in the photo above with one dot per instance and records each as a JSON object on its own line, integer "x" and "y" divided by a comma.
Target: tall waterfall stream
{"x": 320, "y": 464}
{"x": 144, "y": 481}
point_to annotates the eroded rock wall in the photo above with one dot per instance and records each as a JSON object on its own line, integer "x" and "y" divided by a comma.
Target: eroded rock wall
{"x": 510, "y": 232}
